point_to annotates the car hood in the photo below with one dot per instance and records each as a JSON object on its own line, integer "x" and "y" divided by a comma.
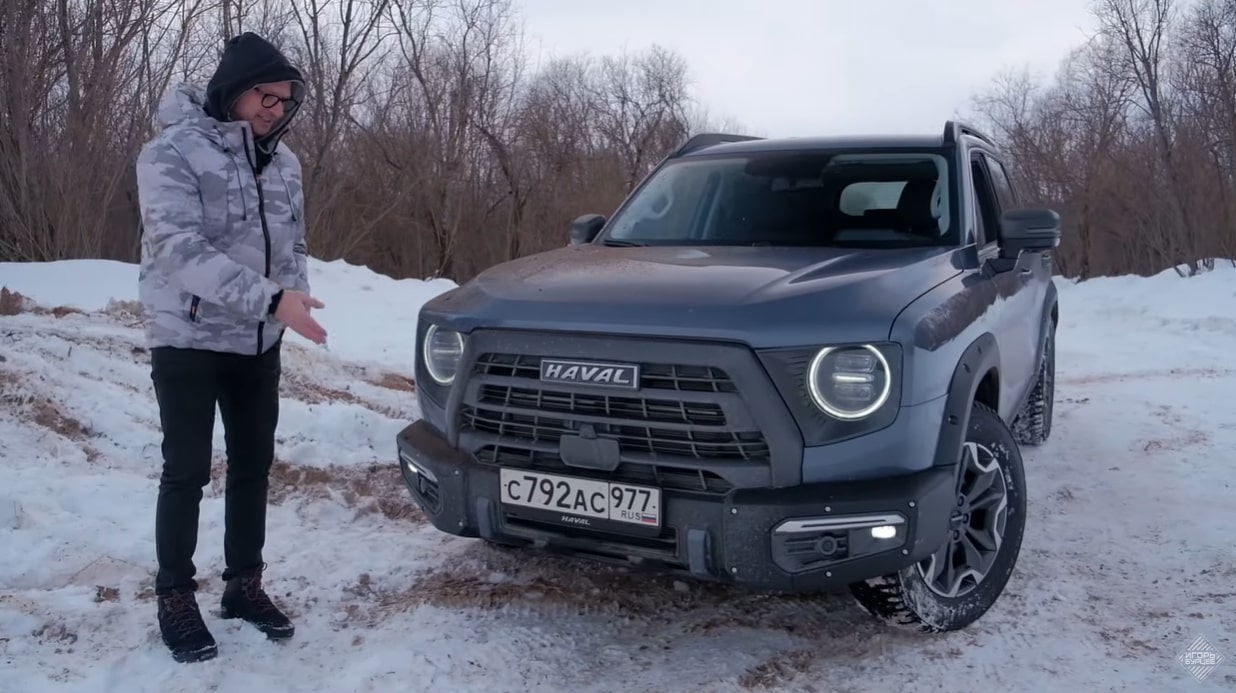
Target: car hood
{"x": 762, "y": 296}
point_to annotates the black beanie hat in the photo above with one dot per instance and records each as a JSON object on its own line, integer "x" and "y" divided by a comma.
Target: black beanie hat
{"x": 249, "y": 60}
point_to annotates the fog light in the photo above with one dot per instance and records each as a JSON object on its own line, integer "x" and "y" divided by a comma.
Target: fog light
{"x": 807, "y": 543}
{"x": 883, "y": 532}
{"x": 417, "y": 469}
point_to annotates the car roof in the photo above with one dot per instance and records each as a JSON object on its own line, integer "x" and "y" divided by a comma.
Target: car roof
{"x": 817, "y": 143}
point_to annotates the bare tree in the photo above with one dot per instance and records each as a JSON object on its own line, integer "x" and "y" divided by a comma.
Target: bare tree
{"x": 433, "y": 147}
{"x": 642, "y": 115}
{"x": 429, "y": 144}
{"x": 1141, "y": 26}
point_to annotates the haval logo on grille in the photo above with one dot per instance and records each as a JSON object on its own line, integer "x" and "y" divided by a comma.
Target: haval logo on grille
{"x": 625, "y": 375}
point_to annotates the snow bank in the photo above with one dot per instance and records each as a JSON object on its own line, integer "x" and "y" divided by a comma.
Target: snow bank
{"x": 1166, "y": 295}
{"x": 369, "y": 317}
{"x": 1162, "y": 323}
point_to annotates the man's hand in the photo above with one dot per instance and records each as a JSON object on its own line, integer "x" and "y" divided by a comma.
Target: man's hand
{"x": 293, "y": 311}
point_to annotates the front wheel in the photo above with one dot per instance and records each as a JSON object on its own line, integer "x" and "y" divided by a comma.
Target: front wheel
{"x": 957, "y": 584}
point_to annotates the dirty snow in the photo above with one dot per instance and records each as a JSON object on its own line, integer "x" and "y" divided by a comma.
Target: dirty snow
{"x": 1128, "y": 557}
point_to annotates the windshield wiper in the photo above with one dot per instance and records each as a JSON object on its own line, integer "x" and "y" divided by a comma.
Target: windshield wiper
{"x": 622, "y": 244}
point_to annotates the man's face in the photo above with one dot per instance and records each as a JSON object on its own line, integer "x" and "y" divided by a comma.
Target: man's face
{"x": 263, "y": 105}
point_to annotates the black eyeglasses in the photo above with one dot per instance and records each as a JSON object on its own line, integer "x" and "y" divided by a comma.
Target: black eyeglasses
{"x": 269, "y": 100}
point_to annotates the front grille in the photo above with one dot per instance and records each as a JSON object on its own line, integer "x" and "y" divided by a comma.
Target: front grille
{"x": 633, "y": 408}
{"x": 632, "y": 438}
{"x": 682, "y": 418}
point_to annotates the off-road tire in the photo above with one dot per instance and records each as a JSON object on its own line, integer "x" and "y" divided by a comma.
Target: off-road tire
{"x": 1032, "y": 425}
{"x": 905, "y": 598}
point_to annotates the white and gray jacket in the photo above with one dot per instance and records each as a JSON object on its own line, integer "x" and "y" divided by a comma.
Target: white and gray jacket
{"x": 218, "y": 240}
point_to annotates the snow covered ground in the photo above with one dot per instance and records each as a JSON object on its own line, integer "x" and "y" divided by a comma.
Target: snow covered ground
{"x": 1128, "y": 558}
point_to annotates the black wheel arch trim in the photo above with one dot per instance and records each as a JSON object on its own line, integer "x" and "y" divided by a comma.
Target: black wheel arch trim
{"x": 981, "y": 356}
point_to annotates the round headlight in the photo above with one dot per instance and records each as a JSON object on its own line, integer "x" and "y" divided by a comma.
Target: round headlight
{"x": 849, "y": 383}
{"x": 443, "y": 350}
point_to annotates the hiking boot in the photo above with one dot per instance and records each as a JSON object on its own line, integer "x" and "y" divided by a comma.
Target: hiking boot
{"x": 184, "y": 632}
{"x": 244, "y": 598}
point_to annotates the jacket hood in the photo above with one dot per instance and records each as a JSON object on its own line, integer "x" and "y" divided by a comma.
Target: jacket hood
{"x": 249, "y": 60}
{"x": 183, "y": 105}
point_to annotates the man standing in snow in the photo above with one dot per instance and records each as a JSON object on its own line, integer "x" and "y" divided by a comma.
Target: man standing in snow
{"x": 223, "y": 273}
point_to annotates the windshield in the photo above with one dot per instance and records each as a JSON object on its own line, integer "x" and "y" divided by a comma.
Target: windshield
{"x": 851, "y": 199}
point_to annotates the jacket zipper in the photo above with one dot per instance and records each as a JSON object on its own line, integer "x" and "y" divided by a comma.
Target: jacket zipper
{"x": 266, "y": 239}
{"x": 193, "y": 308}
{"x": 257, "y": 178}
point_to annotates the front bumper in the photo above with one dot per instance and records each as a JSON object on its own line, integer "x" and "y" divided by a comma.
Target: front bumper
{"x": 801, "y": 538}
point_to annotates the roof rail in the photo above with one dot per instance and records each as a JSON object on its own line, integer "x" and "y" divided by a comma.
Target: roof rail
{"x": 709, "y": 139}
{"x": 955, "y": 129}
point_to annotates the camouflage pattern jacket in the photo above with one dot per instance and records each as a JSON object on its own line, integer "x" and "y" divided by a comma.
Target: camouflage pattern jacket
{"x": 218, "y": 241}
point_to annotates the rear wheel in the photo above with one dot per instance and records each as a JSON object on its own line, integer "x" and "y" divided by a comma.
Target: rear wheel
{"x": 958, "y": 583}
{"x": 1033, "y": 423}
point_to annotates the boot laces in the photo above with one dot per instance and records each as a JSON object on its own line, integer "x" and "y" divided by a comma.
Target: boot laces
{"x": 257, "y": 598}
{"x": 183, "y": 613}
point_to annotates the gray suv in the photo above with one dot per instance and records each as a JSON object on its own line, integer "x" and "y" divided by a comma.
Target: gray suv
{"x": 790, "y": 364}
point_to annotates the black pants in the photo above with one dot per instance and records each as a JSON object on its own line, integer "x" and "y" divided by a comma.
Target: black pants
{"x": 189, "y": 384}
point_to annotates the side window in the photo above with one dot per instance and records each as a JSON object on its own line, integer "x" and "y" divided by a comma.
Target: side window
{"x": 987, "y": 218}
{"x": 975, "y": 210}
{"x": 1000, "y": 182}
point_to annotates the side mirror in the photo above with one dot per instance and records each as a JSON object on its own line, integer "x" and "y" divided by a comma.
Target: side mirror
{"x": 586, "y": 228}
{"x": 1032, "y": 230}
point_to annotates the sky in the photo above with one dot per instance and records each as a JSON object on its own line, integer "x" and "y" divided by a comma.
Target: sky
{"x": 804, "y": 67}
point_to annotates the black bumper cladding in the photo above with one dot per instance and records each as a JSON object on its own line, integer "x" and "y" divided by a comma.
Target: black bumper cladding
{"x": 678, "y": 455}
{"x": 802, "y": 538}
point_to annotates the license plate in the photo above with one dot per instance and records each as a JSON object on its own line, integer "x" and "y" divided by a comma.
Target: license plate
{"x": 582, "y": 502}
